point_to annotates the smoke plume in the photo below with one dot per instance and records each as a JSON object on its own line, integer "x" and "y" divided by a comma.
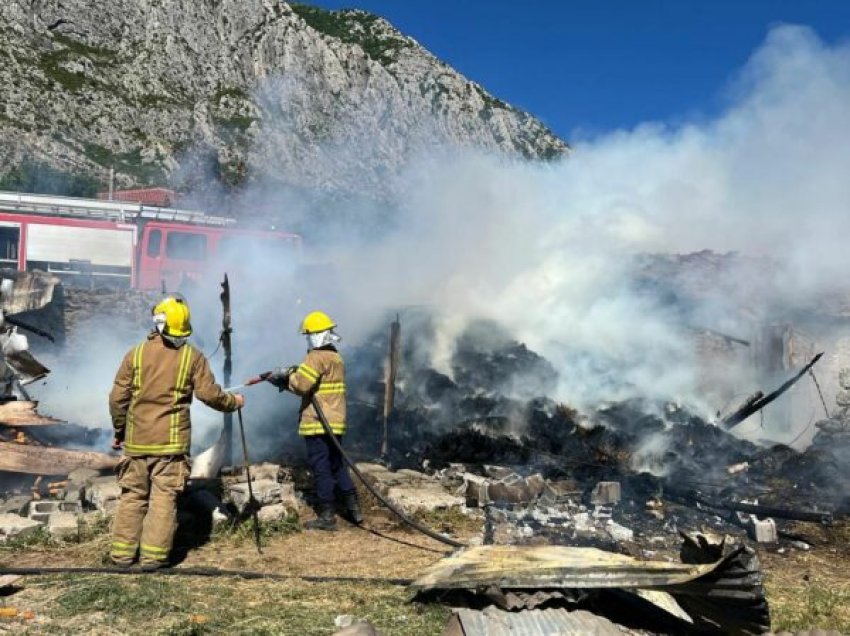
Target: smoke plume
{"x": 548, "y": 250}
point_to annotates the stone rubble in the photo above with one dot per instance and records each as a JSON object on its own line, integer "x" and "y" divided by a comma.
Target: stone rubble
{"x": 12, "y": 525}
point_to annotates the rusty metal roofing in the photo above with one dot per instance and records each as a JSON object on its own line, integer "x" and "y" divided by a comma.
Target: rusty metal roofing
{"x": 548, "y": 622}
{"x": 540, "y": 567}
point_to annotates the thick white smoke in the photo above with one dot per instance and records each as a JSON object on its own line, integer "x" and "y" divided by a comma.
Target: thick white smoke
{"x": 546, "y": 249}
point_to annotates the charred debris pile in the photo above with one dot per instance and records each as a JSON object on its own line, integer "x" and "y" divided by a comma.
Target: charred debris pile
{"x": 490, "y": 432}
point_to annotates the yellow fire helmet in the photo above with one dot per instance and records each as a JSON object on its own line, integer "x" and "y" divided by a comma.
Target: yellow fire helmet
{"x": 172, "y": 317}
{"x": 316, "y": 322}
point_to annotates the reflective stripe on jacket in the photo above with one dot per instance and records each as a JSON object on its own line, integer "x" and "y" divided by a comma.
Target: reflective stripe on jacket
{"x": 322, "y": 373}
{"x": 150, "y": 398}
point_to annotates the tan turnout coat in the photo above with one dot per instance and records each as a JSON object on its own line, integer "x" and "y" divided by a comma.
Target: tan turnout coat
{"x": 322, "y": 373}
{"x": 150, "y": 398}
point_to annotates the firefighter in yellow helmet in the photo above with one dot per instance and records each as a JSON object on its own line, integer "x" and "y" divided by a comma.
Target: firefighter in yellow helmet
{"x": 149, "y": 405}
{"x": 322, "y": 375}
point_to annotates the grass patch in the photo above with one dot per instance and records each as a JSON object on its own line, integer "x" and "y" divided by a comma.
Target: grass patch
{"x": 450, "y": 520}
{"x": 51, "y": 64}
{"x": 194, "y": 605}
{"x": 815, "y": 606}
{"x": 243, "y": 531}
{"x": 145, "y": 597}
{"x": 355, "y": 27}
{"x": 127, "y": 162}
{"x": 229, "y": 91}
{"x": 237, "y": 123}
{"x": 76, "y": 47}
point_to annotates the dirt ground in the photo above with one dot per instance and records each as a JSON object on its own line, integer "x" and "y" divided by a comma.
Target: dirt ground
{"x": 806, "y": 589}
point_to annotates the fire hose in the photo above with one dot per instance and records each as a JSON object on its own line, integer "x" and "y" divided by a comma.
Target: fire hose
{"x": 396, "y": 511}
{"x": 329, "y": 432}
{"x": 206, "y": 572}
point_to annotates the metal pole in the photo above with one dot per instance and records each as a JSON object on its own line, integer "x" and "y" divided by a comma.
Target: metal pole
{"x": 252, "y": 503}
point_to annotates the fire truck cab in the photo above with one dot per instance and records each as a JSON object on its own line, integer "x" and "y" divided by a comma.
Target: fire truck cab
{"x": 123, "y": 244}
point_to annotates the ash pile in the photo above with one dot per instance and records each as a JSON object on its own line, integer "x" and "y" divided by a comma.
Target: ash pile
{"x": 626, "y": 476}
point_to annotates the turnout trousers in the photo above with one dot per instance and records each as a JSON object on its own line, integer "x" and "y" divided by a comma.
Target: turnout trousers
{"x": 328, "y": 468}
{"x": 146, "y": 519}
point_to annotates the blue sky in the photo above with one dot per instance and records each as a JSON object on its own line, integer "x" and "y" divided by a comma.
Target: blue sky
{"x": 588, "y": 67}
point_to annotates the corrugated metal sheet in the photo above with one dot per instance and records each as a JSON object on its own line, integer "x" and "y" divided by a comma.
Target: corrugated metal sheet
{"x": 542, "y": 567}
{"x": 548, "y": 622}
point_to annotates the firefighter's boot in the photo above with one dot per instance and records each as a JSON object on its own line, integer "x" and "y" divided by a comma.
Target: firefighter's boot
{"x": 325, "y": 521}
{"x": 352, "y": 506}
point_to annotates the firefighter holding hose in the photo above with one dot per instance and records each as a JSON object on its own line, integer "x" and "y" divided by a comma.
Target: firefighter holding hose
{"x": 149, "y": 404}
{"x": 321, "y": 376}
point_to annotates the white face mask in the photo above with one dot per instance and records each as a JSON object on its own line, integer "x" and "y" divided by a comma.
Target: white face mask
{"x": 177, "y": 342}
{"x": 322, "y": 339}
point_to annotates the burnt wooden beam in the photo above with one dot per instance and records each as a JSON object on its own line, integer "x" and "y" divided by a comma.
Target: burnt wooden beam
{"x": 753, "y": 406}
{"x": 389, "y": 382}
{"x": 43, "y": 460}
{"x": 24, "y": 413}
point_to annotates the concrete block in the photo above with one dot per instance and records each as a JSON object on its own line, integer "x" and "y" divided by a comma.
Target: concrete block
{"x": 605, "y": 493}
{"x": 12, "y": 525}
{"x": 41, "y": 510}
{"x": 16, "y": 504}
{"x": 602, "y": 512}
{"x": 764, "y": 531}
{"x": 266, "y": 492}
{"x": 63, "y": 525}
{"x": 618, "y": 532}
{"x": 74, "y": 493}
{"x": 104, "y": 494}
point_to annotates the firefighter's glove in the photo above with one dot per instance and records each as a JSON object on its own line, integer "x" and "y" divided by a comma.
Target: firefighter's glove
{"x": 280, "y": 377}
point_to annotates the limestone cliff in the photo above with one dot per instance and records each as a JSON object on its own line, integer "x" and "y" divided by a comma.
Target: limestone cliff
{"x": 164, "y": 90}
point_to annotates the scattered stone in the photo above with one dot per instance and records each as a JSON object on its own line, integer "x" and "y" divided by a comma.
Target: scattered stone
{"x": 801, "y": 545}
{"x": 618, "y": 532}
{"x": 12, "y": 525}
{"x": 266, "y": 491}
{"x": 62, "y": 525}
{"x": 265, "y": 471}
{"x": 358, "y": 628}
{"x": 104, "y": 494}
{"x": 842, "y": 398}
{"x": 605, "y": 493}
{"x": 16, "y": 504}
{"x": 427, "y": 496}
{"x": 274, "y": 512}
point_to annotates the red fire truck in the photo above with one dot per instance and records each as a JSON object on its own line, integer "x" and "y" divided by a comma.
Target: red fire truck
{"x": 121, "y": 243}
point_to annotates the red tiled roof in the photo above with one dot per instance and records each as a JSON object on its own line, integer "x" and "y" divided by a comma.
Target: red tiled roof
{"x": 162, "y": 197}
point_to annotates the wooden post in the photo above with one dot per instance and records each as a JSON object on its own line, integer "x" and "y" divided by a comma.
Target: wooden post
{"x": 226, "y": 331}
{"x": 389, "y": 381}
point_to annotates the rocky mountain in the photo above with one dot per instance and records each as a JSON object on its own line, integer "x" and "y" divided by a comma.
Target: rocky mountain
{"x": 166, "y": 91}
